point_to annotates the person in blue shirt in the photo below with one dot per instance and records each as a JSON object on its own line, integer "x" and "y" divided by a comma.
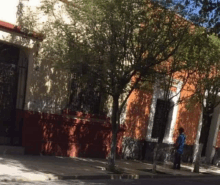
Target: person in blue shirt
{"x": 179, "y": 148}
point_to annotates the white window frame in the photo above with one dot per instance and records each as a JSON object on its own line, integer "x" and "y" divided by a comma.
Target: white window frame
{"x": 158, "y": 93}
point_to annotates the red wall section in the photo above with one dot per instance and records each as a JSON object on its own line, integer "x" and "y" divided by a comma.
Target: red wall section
{"x": 70, "y": 134}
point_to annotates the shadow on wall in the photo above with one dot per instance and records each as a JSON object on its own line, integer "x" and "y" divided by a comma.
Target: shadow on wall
{"x": 138, "y": 114}
{"x": 49, "y": 88}
{"x": 46, "y": 129}
{"x": 189, "y": 120}
{"x": 70, "y": 134}
{"x": 135, "y": 146}
{"x": 218, "y": 140}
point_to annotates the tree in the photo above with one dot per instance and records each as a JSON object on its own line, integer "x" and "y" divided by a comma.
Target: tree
{"x": 174, "y": 73}
{"x": 206, "y": 82}
{"x": 115, "y": 42}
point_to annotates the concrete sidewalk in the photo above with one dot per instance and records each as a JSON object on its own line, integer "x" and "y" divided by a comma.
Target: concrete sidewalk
{"x": 42, "y": 168}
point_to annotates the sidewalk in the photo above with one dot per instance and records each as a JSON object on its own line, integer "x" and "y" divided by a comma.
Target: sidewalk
{"x": 42, "y": 168}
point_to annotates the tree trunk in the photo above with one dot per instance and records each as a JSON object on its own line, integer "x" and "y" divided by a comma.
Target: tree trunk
{"x": 114, "y": 118}
{"x": 197, "y": 160}
{"x": 154, "y": 169}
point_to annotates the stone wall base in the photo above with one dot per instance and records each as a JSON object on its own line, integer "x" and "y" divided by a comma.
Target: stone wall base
{"x": 143, "y": 150}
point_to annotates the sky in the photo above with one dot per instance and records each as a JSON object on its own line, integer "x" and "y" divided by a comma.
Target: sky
{"x": 192, "y": 11}
{"x": 8, "y": 10}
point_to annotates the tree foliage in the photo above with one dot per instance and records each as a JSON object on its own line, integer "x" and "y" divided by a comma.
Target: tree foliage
{"x": 201, "y": 12}
{"x": 207, "y": 83}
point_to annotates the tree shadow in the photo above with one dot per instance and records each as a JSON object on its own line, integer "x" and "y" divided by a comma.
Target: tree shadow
{"x": 189, "y": 120}
{"x": 138, "y": 110}
{"x": 137, "y": 115}
{"x": 46, "y": 128}
{"x": 72, "y": 134}
{"x": 32, "y": 168}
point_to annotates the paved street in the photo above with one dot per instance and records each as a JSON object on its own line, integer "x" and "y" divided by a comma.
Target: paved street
{"x": 170, "y": 181}
{"x": 45, "y": 168}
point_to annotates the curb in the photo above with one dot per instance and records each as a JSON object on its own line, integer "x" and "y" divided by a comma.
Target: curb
{"x": 97, "y": 177}
{"x": 113, "y": 177}
{"x": 131, "y": 176}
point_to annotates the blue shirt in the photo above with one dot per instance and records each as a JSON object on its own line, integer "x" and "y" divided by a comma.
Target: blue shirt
{"x": 181, "y": 141}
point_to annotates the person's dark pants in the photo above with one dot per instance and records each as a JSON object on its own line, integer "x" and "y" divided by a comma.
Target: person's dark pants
{"x": 177, "y": 161}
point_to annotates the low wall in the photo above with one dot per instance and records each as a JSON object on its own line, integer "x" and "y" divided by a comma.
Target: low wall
{"x": 141, "y": 149}
{"x": 71, "y": 134}
{"x": 216, "y": 158}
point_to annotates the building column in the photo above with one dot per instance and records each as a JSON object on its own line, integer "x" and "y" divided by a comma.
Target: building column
{"x": 152, "y": 113}
{"x": 213, "y": 133}
{"x": 22, "y": 79}
{"x": 30, "y": 73}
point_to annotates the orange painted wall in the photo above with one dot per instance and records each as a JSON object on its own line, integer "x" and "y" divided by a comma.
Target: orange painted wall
{"x": 188, "y": 119}
{"x": 137, "y": 116}
{"x": 218, "y": 140}
{"x": 138, "y": 110}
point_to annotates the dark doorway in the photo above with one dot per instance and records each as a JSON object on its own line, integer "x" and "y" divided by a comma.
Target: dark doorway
{"x": 160, "y": 119}
{"x": 9, "y": 57}
{"x": 207, "y": 120}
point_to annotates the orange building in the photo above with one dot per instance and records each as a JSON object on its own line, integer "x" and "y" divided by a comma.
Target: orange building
{"x": 143, "y": 120}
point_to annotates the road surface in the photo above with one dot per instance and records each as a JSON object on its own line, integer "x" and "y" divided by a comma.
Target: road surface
{"x": 170, "y": 181}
